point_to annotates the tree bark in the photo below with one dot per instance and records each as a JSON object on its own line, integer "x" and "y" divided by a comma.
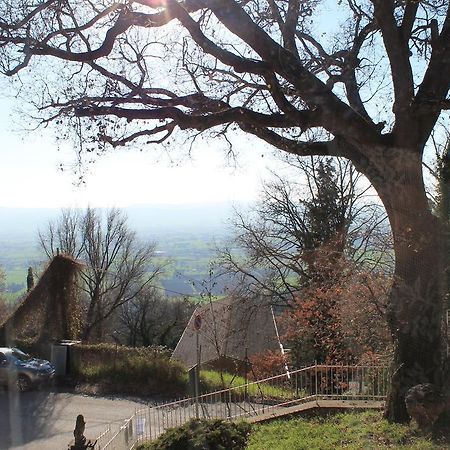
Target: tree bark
{"x": 92, "y": 315}
{"x": 416, "y": 298}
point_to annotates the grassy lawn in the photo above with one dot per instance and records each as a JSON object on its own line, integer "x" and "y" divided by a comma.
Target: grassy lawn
{"x": 212, "y": 379}
{"x": 366, "y": 430}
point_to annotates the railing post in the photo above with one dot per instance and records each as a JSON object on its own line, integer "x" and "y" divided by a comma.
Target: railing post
{"x": 197, "y": 376}
{"x": 196, "y": 394}
{"x": 316, "y": 381}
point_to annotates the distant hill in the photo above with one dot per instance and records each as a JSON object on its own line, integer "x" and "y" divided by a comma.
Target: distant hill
{"x": 24, "y": 222}
{"x": 193, "y": 216}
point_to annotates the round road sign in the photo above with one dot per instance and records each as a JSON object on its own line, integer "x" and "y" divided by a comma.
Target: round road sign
{"x": 197, "y": 322}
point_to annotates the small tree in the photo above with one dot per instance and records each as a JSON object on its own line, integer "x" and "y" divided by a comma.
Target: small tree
{"x": 2, "y": 282}
{"x": 117, "y": 267}
{"x": 342, "y": 321}
{"x": 4, "y": 307}
{"x": 153, "y": 319}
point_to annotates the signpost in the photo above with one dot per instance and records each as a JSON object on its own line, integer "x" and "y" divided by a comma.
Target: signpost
{"x": 197, "y": 327}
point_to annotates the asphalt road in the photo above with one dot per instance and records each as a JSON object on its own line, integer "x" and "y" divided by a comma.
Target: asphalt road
{"x": 39, "y": 420}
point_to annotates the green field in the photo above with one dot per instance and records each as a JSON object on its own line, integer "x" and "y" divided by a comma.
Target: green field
{"x": 15, "y": 258}
{"x": 186, "y": 256}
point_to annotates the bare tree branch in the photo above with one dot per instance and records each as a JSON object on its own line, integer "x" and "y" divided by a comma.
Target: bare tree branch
{"x": 398, "y": 54}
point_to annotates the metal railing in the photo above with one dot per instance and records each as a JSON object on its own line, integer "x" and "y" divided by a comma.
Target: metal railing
{"x": 104, "y": 438}
{"x": 253, "y": 399}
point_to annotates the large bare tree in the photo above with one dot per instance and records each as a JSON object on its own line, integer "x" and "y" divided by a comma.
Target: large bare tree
{"x": 304, "y": 243}
{"x": 373, "y": 93}
{"x": 324, "y": 215}
{"x": 117, "y": 267}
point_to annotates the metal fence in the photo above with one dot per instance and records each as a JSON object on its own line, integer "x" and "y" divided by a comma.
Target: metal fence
{"x": 253, "y": 399}
{"x": 123, "y": 439}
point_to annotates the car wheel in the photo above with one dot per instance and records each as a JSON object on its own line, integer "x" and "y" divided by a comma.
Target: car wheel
{"x": 23, "y": 383}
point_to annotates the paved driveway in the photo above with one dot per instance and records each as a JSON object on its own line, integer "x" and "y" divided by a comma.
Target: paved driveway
{"x": 41, "y": 420}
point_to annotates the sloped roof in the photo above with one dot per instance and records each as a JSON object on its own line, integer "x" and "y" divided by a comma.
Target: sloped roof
{"x": 232, "y": 327}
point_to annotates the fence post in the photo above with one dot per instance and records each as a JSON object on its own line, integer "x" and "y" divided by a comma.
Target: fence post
{"x": 316, "y": 381}
{"x": 197, "y": 374}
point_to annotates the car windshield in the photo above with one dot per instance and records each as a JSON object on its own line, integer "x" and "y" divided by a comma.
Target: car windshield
{"x": 19, "y": 354}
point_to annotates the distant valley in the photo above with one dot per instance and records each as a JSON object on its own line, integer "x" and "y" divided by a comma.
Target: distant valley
{"x": 184, "y": 234}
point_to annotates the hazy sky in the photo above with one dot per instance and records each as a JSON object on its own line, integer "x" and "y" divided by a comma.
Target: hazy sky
{"x": 30, "y": 174}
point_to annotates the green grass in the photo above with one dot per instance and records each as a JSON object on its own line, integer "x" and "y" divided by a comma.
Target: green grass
{"x": 214, "y": 381}
{"x": 355, "y": 431}
{"x": 218, "y": 380}
{"x": 12, "y": 297}
{"x": 17, "y": 275}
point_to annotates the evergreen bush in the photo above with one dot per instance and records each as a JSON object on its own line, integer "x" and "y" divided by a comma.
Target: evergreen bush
{"x": 203, "y": 435}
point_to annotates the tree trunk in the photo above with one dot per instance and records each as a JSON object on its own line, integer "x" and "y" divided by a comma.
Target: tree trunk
{"x": 92, "y": 315}
{"x": 415, "y": 303}
{"x": 99, "y": 315}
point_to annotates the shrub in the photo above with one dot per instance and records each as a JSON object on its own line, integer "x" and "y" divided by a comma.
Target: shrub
{"x": 82, "y": 355}
{"x": 136, "y": 375}
{"x": 203, "y": 435}
{"x": 267, "y": 364}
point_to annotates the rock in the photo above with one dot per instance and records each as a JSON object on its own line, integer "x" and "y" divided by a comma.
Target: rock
{"x": 425, "y": 403}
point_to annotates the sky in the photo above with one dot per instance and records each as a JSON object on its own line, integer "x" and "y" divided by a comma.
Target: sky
{"x": 30, "y": 174}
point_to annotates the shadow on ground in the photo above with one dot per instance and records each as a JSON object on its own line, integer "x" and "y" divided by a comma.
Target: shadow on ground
{"x": 26, "y": 416}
